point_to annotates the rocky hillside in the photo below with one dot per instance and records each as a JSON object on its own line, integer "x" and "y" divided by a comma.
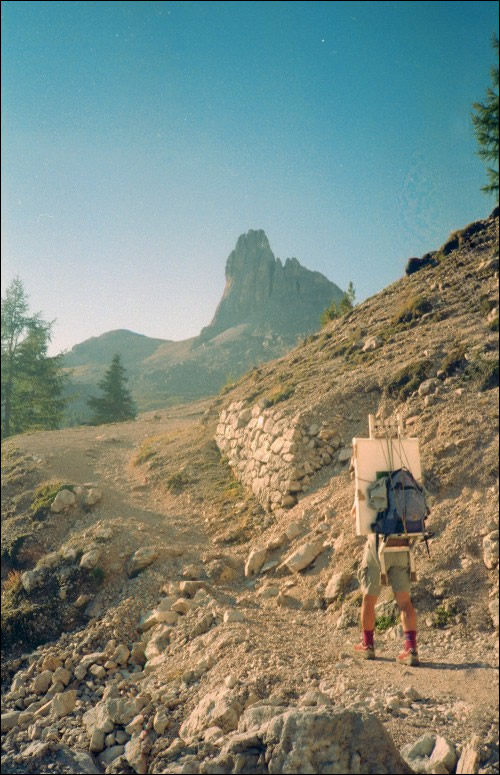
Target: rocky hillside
{"x": 180, "y": 593}
{"x": 265, "y": 308}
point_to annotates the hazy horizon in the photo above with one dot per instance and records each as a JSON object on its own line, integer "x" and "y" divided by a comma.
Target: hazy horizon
{"x": 140, "y": 139}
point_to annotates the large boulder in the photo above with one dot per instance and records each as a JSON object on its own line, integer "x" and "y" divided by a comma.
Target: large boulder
{"x": 328, "y": 741}
{"x": 308, "y": 740}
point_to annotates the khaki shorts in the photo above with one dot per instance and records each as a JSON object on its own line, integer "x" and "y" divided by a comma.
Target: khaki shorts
{"x": 398, "y": 570}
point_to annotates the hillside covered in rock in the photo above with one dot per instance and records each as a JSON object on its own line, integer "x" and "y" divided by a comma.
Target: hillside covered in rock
{"x": 180, "y": 593}
{"x": 265, "y": 309}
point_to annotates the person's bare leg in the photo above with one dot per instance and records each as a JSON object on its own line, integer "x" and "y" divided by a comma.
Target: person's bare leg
{"x": 409, "y": 655}
{"x": 408, "y": 613}
{"x": 368, "y": 612}
{"x": 366, "y": 648}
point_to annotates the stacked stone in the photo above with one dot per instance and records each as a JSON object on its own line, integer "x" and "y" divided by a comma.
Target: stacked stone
{"x": 274, "y": 454}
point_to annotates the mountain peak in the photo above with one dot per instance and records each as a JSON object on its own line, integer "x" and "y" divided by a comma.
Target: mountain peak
{"x": 267, "y": 295}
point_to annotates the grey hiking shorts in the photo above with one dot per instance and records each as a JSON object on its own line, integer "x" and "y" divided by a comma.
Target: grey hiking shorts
{"x": 398, "y": 570}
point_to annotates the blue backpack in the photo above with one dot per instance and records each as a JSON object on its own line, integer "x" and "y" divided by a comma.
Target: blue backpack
{"x": 406, "y": 505}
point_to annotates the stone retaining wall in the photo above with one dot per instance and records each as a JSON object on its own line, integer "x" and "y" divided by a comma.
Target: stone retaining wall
{"x": 275, "y": 454}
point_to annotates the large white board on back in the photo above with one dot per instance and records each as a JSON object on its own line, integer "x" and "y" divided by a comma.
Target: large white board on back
{"x": 374, "y": 456}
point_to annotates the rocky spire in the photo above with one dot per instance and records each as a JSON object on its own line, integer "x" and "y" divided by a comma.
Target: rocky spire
{"x": 267, "y": 295}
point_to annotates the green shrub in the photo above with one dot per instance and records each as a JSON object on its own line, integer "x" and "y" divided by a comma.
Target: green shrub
{"x": 442, "y": 616}
{"x": 385, "y": 621}
{"x": 483, "y": 374}
{"x": 407, "y": 380}
{"x": 11, "y": 551}
{"x": 486, "y": 304}
{"x": 454, "y": 361}
{"x": 43, "y": 498}
{"x": 280, "y": 394}
{"x": 493, "y": 324}
{"x": 176, "y": 482}
{"x": 411, "y": 310}
{"x": 339, "y": 309}
{"x": 145, "y": 453}
{"x": 98, "y": 575}
{"x": 234, "y": 490}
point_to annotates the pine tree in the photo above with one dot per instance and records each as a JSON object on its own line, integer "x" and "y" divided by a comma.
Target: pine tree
{"x": 485, "y": 122}
{"x": 32, "y": 382}
{"x": 341, "y": 308}
{"x": 116, "y": 404}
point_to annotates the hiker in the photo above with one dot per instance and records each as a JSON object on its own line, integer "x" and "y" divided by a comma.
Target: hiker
{"x": 398, "y": 572}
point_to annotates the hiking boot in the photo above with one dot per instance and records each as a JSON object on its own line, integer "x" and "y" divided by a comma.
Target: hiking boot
{"x": 365, "y": 652}
{"x": 408, "y": 657}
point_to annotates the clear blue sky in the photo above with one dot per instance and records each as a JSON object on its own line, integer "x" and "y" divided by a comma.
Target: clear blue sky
{"x": 141, "y": 138}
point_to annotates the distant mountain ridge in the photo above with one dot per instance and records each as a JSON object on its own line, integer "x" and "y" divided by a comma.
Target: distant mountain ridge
{"x": 265, "y": 308}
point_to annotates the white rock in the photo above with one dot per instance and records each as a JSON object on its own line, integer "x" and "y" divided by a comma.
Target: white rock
{"x": 167, "y": 617}
{"x": 93, "y": 496}
{"x": 233, "y": 616}
{"x": 166, "y": 603}
{"x": 121, "y": 654}
{"x": 96, "y": 741}
{"x": 63, "y": 500}
{"x": 304, "y": 555}
{"x": 110, "y": 754}
{"x": 335, "y": 586}
{"x": 183, "y": 606}
{"x": 135, "y": 725}
{"x": 98, "y": 671}
{"x": 255, "y": 561}
{"x": 160, "y": 722}
{"x": 42, "y": 682}
{"x": 372, "y": 343}
{"x": 444, "y": 753}
{"x": 61, "y": 675}
{"x": 90, "y": 559}
{"x": 420, "y": 748}
{"x": 135, "y": 755}
{"x": 31, "y": 579}
{"x": 141, "y": 559}
{"x": 493, "y": 610}
{"x": 469, "y": 760}
{"x": 490, "y": 550}
{"x": 64, "y": 703}
{"x": 345, "y": 454}
{"x": 293, "y": 530}
{"x": 9, "y": 720}
{"x": 314, "y": 697}
{"x": 427, "y": 386}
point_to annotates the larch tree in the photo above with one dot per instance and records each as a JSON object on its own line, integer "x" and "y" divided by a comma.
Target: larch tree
{"x": 485, "y": 121}
{"x": 32, "y": 381}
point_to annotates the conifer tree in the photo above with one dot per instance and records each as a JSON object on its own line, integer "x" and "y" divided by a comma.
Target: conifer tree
{"x": 341, "y": 308}
{"x": 485, "y": 122}
{"x": 116, "y": 404}
{"x": 32, "y": 382}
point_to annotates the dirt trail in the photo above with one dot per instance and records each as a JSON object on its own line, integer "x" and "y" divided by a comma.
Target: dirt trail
{"x": 291, "y": 651}
{"x": 104, "y": 456}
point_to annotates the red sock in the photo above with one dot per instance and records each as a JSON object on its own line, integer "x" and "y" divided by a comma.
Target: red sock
{"x": 367, "y": 637}
{"x": 411, "y": 639}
